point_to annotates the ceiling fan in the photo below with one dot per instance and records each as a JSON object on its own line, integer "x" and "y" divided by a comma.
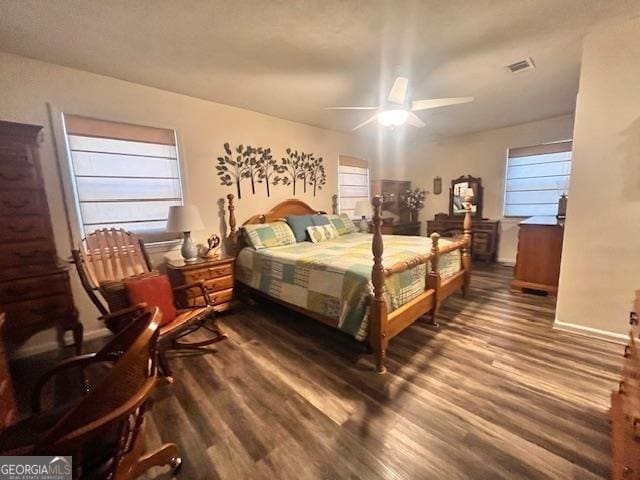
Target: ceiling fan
{"x": 398, "y": 111}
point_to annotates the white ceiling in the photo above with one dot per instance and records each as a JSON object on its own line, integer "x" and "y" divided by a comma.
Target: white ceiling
{"x": 290, "y": 58}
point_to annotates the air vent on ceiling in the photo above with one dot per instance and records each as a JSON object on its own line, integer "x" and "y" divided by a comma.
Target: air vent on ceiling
{"x": 521, "y": 66}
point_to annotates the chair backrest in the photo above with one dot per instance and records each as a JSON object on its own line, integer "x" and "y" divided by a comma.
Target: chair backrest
{"x": 118, "y": 401}
{"x": 109, "y": 254}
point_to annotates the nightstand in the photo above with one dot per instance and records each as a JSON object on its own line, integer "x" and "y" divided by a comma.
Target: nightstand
{"x": 217, "y": 275}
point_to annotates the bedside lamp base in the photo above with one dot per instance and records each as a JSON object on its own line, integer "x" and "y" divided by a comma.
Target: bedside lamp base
{"x": 364, "y": 225}
{"x": 189, "y": 250}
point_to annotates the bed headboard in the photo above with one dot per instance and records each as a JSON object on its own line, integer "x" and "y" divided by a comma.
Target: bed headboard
{"x": 281, "y": 210}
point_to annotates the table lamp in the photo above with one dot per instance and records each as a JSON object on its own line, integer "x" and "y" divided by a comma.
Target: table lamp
{"x": 185, "y": 219}
{"x": 363, "y": 210}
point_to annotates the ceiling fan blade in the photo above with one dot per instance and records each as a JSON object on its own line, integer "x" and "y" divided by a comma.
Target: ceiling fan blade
{"x": 399, "y": 90}
{"x": 371, "y": 119}
{"x": 438, "y": 102}
{"x": 350, "y": 108}
{"x": 415, "y": 120}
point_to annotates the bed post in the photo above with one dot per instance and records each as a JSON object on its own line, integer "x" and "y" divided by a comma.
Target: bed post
{"x": 466, "y": 250}
{"x": 378, "y": 311}
{"x": 233, "y": 238}
{"x": 433, "y": 277}
{"x": 334, "y": 204}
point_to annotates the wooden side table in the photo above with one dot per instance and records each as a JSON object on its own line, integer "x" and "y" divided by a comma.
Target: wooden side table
{"x": 217, "y": 275}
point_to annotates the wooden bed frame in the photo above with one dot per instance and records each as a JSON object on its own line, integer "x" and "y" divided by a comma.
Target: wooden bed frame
{"x": 383, "y": 325}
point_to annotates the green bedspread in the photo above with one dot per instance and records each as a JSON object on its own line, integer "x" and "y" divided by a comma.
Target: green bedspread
{"x": 333, "y": 278}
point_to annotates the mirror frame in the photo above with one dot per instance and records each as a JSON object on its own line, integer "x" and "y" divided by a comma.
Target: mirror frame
{"x": 475, "y": 183}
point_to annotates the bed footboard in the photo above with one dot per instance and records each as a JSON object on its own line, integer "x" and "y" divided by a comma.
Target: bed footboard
{"x": 383, "y": 325}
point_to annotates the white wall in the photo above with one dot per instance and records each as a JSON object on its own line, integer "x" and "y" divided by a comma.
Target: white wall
{"x": 202, "y": 127}
{"x": 601, "y": 254}
{"x": 481, "y": 154}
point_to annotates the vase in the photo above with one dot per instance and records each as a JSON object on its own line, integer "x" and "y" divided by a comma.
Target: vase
{"x": 413, "y": 216}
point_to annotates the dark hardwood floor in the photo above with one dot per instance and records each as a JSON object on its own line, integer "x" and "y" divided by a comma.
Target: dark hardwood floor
{"x": 492, "y": 393}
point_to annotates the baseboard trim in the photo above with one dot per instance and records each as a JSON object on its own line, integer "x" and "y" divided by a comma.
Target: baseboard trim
{"x": 591, "y": 332}
{"x": 53, "y": 344}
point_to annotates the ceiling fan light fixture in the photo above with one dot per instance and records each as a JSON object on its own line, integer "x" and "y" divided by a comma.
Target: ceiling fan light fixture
{"x": 393, "y": 118}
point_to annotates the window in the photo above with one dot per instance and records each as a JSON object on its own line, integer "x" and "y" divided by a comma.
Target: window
{"x": 536, "y": 178}
{"x": 353, "y": 183}
{"x": 124, "y": 176}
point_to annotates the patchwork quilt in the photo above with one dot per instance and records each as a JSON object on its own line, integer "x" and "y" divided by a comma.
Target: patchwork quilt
{"x": 333, "y": 278}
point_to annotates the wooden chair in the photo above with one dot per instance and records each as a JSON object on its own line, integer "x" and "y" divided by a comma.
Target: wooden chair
{"x": 104, "y": 430}
{"x": 112, "y": 255}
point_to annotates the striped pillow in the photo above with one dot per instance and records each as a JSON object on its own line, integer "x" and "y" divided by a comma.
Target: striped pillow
{"x": 267, "y": 235}
{"x": 320, "y": 233}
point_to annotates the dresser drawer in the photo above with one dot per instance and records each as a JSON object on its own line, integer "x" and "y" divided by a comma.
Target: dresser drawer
{"x": 15, "y": 155}
{"x": 17, "y": 177}
{"x": 222, "y": 296}
{"x": 27, "y": 253}
{"x": 44, "y": 311}
{"x": 217, "y": 298}
{"x": 217, "y": 284}
{"x": 208, "y": 273}
{"x": 16, "y": 202}
{"x": 26, "y": 288}
{"x": 212, "y": 285}
{"x": 23, "y": 228}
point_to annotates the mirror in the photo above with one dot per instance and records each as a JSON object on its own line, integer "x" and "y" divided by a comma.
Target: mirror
{"x": 458, "y": 191}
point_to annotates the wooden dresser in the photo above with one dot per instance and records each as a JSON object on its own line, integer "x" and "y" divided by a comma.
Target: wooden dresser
{"x": 34, "y": 285}
{"x": 217, "y": 275}
{"x": 409, "y": 228}
{"x": 625, "y": 408}
{"x": 539, "y": 254}
{"x": 485, "y": 234}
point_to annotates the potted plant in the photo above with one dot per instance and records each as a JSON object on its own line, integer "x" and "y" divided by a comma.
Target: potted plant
{"x": 414, "y": 201}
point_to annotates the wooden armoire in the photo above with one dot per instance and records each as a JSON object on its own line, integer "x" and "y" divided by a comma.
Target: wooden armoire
{"x": 35, "y": 292}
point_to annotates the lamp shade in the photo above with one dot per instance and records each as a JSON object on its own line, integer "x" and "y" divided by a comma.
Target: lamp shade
{"x": 362, "y": 209}
{"x": 184, "y": 218}
{"x": 469, "y": 193}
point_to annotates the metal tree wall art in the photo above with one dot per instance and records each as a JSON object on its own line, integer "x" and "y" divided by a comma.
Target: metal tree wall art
{"x": 232, "y": 170}
{"x": 259, "y": 166}
{"x": 292, "y": 166}
{"x": 268, "y": 168}
{"x": 305, "y": 158}
{"x": 252, "y": 165}
{"x": 315, "y": 173}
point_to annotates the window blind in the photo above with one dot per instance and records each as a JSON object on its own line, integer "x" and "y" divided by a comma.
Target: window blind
{"x": 536, "y": 178}
{"x": 353, "y": 183}
{"x": 125, "y": 176}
